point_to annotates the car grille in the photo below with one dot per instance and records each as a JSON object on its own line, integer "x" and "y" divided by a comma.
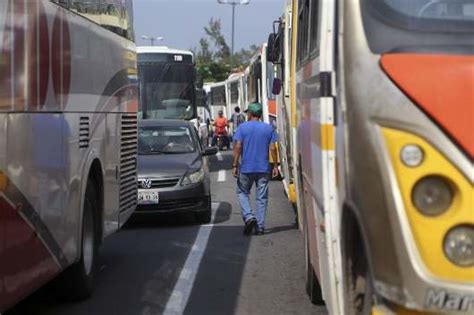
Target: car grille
{"x": 174, "y": 204}
{"x": 164, "y": 182}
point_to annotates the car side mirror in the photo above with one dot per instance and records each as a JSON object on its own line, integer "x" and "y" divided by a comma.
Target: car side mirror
{"x": 276, "y": 89}
{"x": 210, "y": 151}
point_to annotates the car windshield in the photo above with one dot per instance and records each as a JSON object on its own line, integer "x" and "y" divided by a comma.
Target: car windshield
{"x": 166, "y": 90}
{"x": 441, "y": 15}
{"x": 165, "y": 140}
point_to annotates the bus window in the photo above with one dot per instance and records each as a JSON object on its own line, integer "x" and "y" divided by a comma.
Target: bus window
{"x": 234, "y": 93}
{"x": 314, "y": 44}
{"x": 452, "y": 16}
{"x": 167, "y": 85}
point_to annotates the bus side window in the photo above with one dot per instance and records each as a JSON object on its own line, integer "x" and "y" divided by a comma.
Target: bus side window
{"x": 89, "y": 9}
{"x": 63, "y": 3}
{"x": 314, "y": 37}
{"x": 303, "y": 31}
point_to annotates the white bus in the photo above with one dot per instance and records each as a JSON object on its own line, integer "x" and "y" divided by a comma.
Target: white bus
{"x": 167, "y": 83}
{"x": 68, "y": 101}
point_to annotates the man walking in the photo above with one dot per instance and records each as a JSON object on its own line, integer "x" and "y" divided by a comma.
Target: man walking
{"x": 252, "y": 143}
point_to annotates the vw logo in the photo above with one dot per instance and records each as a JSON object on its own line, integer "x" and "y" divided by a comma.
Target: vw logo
{"x": 146, "y": 183}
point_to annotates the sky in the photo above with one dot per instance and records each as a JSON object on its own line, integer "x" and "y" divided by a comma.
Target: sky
{"x": 181, "y": 22}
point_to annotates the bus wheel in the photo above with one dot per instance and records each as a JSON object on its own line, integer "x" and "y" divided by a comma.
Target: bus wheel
{"x": 359, "y": 290}
{"x": 77, "y": 282}
{"x": 313, "y": 288}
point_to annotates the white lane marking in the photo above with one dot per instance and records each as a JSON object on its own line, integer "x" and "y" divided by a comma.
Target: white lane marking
{"x": 184, "y": 286}
{"x": 220, "y": 157}
{"x": 221, "y": 176}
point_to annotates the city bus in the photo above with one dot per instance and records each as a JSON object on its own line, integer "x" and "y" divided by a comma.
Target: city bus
{"x": 383, "y": 108}
{"x": 279, "y": 53}
{"x": 68, "y": 103}
{"x": 260, "y": 75}
{"x": 167, "y": 79}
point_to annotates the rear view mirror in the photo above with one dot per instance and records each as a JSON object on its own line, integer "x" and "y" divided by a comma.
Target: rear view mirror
{"x": 276, "y": 89}
{"x": 274, "y": 49}
{"x": 210, "y": 151}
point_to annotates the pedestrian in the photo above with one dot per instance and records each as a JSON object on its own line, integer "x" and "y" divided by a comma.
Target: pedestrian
{"x": 236, "y": 119}
{"x": 252, "y": 143}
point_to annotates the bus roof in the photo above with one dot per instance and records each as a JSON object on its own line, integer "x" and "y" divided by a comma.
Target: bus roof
{"x": 162, "y": 50}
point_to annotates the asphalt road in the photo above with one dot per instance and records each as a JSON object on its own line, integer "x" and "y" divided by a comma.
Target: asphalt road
{"x": 172, "y": 265}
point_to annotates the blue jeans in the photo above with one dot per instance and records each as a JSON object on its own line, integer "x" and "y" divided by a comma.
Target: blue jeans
{"x": 244, "y": 185}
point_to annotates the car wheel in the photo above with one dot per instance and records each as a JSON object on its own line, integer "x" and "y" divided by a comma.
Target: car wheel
{"x": 77, "y": 282}
{"x": 205, "y": 216}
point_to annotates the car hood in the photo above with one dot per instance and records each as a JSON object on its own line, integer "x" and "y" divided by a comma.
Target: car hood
{"x": 167, "y": 164}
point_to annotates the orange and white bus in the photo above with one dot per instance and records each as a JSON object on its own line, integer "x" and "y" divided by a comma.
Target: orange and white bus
{"x": 382, "y": 105}
{"x": 260, "y": 74}
{"x": 68, "y": 103}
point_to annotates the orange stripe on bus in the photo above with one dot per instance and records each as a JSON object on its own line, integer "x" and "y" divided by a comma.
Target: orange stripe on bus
{"x": 443, "y": 86}
{"x": 327, "y": 137}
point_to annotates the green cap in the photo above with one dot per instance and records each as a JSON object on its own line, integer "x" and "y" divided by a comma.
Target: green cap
{"x": 255, "y": 108}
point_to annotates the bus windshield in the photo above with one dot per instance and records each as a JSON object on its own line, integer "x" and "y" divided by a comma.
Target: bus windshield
{"x": 441, "y": 15}
{"x": 166, "y": 90}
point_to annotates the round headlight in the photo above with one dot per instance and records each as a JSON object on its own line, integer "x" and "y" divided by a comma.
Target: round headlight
{"x": 459, "y": 245}
{"x": 411, "y": 155}
{"x": 432, "y": 195}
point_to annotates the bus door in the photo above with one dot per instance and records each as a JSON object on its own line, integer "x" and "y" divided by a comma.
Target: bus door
{"x": 316, "y": 91}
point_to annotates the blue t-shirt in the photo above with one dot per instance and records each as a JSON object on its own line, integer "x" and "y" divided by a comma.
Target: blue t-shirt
{"x": 255, "y": 137}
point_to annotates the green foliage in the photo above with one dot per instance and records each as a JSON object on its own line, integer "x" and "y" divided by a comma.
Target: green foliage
{"x": 215, "y": 64}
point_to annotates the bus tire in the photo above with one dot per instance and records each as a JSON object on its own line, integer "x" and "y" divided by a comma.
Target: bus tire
{"x": 313, "y": 288}
{"x": 77, "y": 282}
{"x": 359, "y": 289}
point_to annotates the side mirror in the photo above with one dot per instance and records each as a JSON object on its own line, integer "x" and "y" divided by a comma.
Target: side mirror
{"x": 276, "y": 89}
{"x": 199, "y": 83}
{"x": 210, "y": 151}
{"x": 201, "y": 98}
{"x": 271, "y": 49}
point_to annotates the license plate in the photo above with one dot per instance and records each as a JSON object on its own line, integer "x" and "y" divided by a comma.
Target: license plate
{"x": 147, "y": 197}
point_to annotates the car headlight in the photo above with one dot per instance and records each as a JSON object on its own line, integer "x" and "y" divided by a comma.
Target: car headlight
{"x": 432, "y": 195}
{"x": 459, "y": 245}
{"x": 193, "y": 178}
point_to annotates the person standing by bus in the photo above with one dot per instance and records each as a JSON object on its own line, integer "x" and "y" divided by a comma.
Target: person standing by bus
{"x": 252, "y": 143}
{"x": 236, "y": 119}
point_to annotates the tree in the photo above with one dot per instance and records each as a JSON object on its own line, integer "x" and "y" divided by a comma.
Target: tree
{"x": 214, "y": 31}
{"x": 214, "y": 65}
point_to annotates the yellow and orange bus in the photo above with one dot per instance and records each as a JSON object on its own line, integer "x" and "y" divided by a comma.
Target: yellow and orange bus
{"x": 382, "y": 105}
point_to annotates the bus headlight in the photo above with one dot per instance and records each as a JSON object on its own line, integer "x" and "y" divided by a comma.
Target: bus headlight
{"x": 432, "y": 195}
{"x": 459, "y": 245}
{"x": 411, "y": 155}
{"x": 193, "y": 178}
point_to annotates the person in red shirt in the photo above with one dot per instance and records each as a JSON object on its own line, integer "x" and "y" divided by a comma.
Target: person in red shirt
{"x": 221, "y": 124}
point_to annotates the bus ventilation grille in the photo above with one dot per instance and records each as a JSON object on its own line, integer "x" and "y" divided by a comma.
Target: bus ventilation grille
{"x": 128, "y": 163}
{"x": 84, "y": 133}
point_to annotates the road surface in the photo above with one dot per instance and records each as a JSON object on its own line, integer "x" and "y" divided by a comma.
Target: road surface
{"x": 170, "y": 265}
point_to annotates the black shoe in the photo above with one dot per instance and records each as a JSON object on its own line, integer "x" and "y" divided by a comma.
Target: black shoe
{"x": 259, "y": 231}
{"x": 249, "y": 226}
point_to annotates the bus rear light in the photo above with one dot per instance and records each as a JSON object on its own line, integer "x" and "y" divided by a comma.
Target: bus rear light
{"x": 459, "y": 245}
{"x": 412, "y": 155}
{"x": 432, "y": 195}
